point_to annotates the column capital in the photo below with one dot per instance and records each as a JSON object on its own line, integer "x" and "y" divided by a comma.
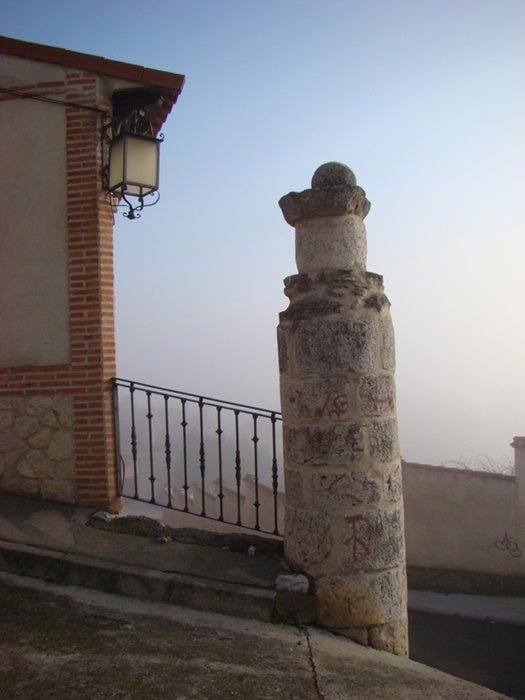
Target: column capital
{"x": 333, "y": 193}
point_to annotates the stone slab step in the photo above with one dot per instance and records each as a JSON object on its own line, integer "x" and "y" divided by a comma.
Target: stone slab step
{"x": 195, "y": 592}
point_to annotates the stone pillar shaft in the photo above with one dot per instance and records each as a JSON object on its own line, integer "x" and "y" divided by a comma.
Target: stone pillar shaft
{"x": 344, "y": 512}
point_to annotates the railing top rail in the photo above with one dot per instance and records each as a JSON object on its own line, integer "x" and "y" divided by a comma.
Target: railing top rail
{"x": 195, "y": 398}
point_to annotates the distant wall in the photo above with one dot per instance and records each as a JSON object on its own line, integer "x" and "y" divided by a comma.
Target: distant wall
{"x": 462, "y": 521}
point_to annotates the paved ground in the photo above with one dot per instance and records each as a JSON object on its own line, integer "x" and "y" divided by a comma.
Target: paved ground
{"x": 488, "y": 653}
{"x": 60, "y": 641}
{"x": 68, "y": 643}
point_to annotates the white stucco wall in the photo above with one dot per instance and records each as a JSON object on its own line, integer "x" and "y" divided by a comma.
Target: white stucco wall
{"x": 34, "y": 309}
{"x": 459, "y": 519}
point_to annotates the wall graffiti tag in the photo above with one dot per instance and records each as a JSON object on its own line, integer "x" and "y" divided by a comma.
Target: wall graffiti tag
{"x": 333, "y": 405}
{"x": 359, "y": 547}
{"x": 509, "y": 544}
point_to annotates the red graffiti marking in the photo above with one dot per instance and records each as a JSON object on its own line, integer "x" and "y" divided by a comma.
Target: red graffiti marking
{"x": 388, "y": 400}
{"x": 333, "y": 406}
{"x": 360, "y": 549}
{"x": 333, "y": 490}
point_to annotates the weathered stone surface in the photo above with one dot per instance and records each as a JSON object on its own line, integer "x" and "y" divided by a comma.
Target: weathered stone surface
{"x": 388, "y": 347}
{"x": 333, "y": 174}
{"x": 367, "y": 600}
{"x": 282, "y": 347}
{"x": 307, "y": 400}
{"x": 338, "y": 282}
{"x": 294, "y": 583}
{"x": 335, "y": 491}
{"x": 327, "y": 346}
{"x": 58, "y": 490}
{"x": 64, "y": 469}
{"x": 329, "y": 201}
{"x": 373, "y": 540}
{"x": 294, "y": 488}
{"x": 376, "y": 301}
{"x": 36, "y": 457}
{"x": 6, "y": 417}
{"x": 49, "y": 418}
{"x": 333, "y": 444}
{"x": 391, "y": 637}
{"x": 384, "y": 444}
{"x": 376, "y": 395}
{"x": 37, "y": 404}
{"x": 24, "y": 426}
{"x": 310, "y": 308}
{"x": 9, "y": 442}
{"x": 32, "y": 464}
{"x": 308, "y": 541}
{"x": 331, "y": 243}
{"x": 393, "y": 484}
{"x": 61, "y": 445}
{"x": 40, "y": 439}
{"x": 28, "y": 487}
{"x": 63, "y": 406}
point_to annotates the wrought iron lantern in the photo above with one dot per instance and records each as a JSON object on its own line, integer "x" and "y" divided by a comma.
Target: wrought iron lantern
{"x": 134, "y": 170}
{"x": 132, "y": 162}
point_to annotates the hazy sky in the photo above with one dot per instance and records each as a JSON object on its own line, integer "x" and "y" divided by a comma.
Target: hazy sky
{"x": 423, "y": 99}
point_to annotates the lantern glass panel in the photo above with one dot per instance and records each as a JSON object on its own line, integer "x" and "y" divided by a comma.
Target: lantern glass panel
{"x": 134, "y": 165}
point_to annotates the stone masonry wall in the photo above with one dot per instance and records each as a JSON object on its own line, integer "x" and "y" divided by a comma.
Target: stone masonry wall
{"x": 36, "y": 447}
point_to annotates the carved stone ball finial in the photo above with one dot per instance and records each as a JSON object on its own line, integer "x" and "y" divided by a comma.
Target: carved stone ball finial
{"x": 333, "y": 175}
{"x": 334, "y": 193}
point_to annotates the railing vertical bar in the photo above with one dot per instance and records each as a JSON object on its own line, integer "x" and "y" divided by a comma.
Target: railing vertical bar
{"x": 149, "y": 416}
{"x": 219, "y": 432}
{"x": 167, "y": 448}
{"x": 120, "y": 465}
{"x": 184, "y": 424}
{"x": 238, "y": 467}
{"x": 275, "y": 477}
{"x": 202, "y": 458}
{"x": 133, "y": 441}
{"x": 255, "y": 440}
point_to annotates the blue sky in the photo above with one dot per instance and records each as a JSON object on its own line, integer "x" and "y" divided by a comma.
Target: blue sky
{"x": 423, "y": 99}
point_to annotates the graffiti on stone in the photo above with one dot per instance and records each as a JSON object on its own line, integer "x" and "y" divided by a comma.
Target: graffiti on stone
{"x": 358, "y": 545}
{"x": 335, "y": 491}
{"x": 376, "y": 395}
{"x": 333, "y": 444}
{"x": 331, "y": 406}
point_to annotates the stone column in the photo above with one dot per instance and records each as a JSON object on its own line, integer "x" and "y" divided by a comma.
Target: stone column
{"x": 344, "y": 509}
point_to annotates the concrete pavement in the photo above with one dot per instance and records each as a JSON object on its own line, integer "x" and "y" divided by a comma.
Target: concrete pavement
{"x": 53, "y": 542}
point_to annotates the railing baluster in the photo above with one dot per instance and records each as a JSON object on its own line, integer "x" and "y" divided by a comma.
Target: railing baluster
{"x": 219, "y": 432}
{"x": 255, "y": 440}
{"x": 202, "y": 458}
{"x": 134, "y": 440}
{"x": 167, "y": 448}
{"x": 149, "y": 416}
{"x": 120, "y": 465}
{"x": 238, "y": 467}
{"x": 184, "y": 425}
{"x": 275, "y": 475}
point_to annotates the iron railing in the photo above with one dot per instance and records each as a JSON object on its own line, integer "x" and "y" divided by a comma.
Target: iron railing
{"x": 195, "y": 454}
